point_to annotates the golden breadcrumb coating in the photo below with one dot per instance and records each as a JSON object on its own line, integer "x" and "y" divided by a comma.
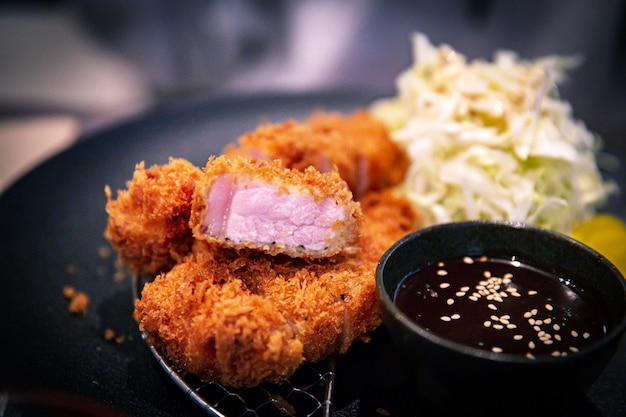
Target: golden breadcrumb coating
{"x": 212, "y": 325}
{"x": 356, "y": 144}
{"x": 381, "y": 162}
{"x": 148, "y": 223}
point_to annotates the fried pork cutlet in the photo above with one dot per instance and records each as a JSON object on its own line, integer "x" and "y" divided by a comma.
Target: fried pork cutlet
{"x": 212, "y": 325}
{"x": 148, "y": 223}
{"x": 357, "y": 144}
{"x": 243, "y": 203}
{"x": 244, "y": 317}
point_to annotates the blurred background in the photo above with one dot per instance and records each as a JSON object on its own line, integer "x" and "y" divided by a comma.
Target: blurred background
{"x": 68, "y": 68}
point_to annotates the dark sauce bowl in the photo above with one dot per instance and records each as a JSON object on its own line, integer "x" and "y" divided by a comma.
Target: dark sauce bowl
{"x": 449, "y": 373}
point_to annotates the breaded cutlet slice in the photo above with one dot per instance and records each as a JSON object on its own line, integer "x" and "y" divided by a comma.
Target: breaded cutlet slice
{"x": 245, "y": 203}
{"x": 209, "y": 323}
{"x": 358, "y": 145}
{"x": 148, "y": 223}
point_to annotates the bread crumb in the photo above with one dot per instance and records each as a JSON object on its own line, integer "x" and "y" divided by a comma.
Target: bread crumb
{"x": 120, "y": 271}
{"x": 69, "y": 292}
{"x": 79, "y": 301}
{"x": 104, "y": 252}
{"x": 109, "y": 335}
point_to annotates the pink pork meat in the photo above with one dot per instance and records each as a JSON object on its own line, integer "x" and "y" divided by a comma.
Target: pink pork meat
{"x": 246, "y": 203}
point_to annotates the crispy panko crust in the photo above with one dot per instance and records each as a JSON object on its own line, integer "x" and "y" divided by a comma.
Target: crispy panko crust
{"x": 148, "y": 223}
{"x": 212, "y": 325}
{"x": 310, "y": 182}
{"x": 357, "y": 144}
{"x": 244, "y": 317}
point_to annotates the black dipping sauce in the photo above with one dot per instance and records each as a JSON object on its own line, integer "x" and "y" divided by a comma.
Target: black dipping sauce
{"x": 501, "y": 306}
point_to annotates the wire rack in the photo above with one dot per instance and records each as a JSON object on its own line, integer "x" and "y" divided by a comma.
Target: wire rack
{"x": 307, "y": 393}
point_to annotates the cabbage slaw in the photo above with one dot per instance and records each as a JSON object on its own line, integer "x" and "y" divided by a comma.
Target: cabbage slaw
{"x": 492, "y": 140}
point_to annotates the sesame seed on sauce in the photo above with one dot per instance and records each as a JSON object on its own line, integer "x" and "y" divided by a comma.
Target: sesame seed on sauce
{"x": 501, "y": 305}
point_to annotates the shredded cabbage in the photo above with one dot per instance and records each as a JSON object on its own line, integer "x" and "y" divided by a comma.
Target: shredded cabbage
{"x": 492, "y": 140}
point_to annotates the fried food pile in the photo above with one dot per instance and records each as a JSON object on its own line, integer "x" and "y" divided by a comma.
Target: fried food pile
{"x": 265, "y": 258}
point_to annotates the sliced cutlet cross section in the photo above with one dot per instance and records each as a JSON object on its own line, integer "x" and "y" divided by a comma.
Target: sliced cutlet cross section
{"x": 246, "y": 203}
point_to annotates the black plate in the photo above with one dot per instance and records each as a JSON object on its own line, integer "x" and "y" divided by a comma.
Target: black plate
{"x": 51, "y": 235}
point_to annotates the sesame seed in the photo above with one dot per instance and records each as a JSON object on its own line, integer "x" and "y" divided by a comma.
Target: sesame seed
{"x": 531, "y": 321}
{"x": 532, "y": 292}
{"x": 441, "y": 263}
{"x": 530, "y": 355}
{"x": 460, "y": 293}
{"x": 445, "y": 318}
{"x": 557, "y": 337}
{"x": 556, "y": 327}
{"x": 444, "y": 285}
{"x": 538, "y": 322}
{"x": 442, "y": 272}
{"x": 518, "y": 337}
{"x": 468, "y": 260}
{"x": 487, "y": 323}
{"x": 537, "y": 328}
{"x": 548, "y": 321}
{"x": 534, "y": 311}
{"x": 487, "y": 274}
{"x": 511, "y": 326}
{"x": 465, "y": 289}
{"x": 573, "y": 349}
{"x": 586, "y": 335}
{"x": 450, "y": 301}
{"x": 496, "y": 349}
{"x": 494, "y": 317}
{"x": 547, "y": 342}
{"x": 498, "y": 326}
{"x": 504, "y": 321}
{"x": 574, "y": 333}
{"x": 555, "y": 353}
{"x": 473, "y": 298}
{"x": 492, "y": 307}
{"x": 455, "y": 316}
{"x": 528, "y": 315}
{"x": 549, "y": 307}
{"x": 531, "y": 345}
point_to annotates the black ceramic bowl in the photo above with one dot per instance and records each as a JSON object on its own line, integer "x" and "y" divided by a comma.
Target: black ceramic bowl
{"x": 446, "y": 370}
